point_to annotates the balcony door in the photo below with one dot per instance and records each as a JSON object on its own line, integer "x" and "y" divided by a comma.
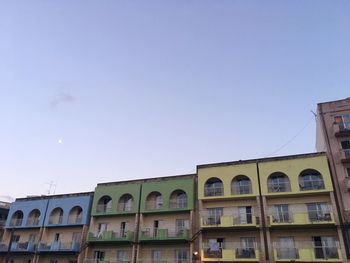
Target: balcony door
{"x": 156, "y": 256}
{"x": 123, "y": 229}
{"x": 281, "y": 214}
{"x": 245, "y": 215}
{"x": 181, "y": 226}
{"x": 325, "y": 247}
{"x": 214, "y": 215}
{"x": 247, "y": 249}
{"x": 318, "y": 212}
{"x": 286, "y": 249}
{"x": 102, "y": 227}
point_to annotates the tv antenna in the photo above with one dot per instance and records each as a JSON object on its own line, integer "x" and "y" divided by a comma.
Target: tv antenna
{"x": 52, "y": 188}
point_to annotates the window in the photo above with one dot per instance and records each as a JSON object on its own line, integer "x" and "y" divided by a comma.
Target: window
{"x": 99, "y": 255}
{"x": 286, "y": 248}
{"x": 34, "y": 217}
{"x": 281, "y": 214}
{"x": 75, "y": 215}
{"x": 178, "y": 199}
{"x": 278, "y": 182}
{"x": 325, "y": 247}
{"x": 345, "y": 145}
{"x": 343, "y": 121}
{"x": 121, "y": 256}
{"x": 182, "y": 225}
{"x": 104, "y": 205}
{"x": 213, "y": 187}
{"x": 123, "y": 229}
{"x": 56, "y": 216}
{"x": 214, "y": 215}
{"x": 348, "y": 171}
{"x": 154, "y": 201}
{"x": 318, "y": 212}
{"x": 245, "y": 215}
{"x": 102, "y": 227}
{"x": 215, "y": 247}
{"x": 241, "y": 185}
{"x": 125, "y": 203}
{"x": 310, "y": 180}
{"x": 17, "y": 218}
{"x": 156, "y": 256}
{"x": 247, "y": 248}
{"x": 181, "y": 256}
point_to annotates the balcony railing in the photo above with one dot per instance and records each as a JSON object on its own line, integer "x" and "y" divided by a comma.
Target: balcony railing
{"x": 124, "y": 207}
{"x": 16, "y": 222}
{"x": 176, "y": 204}
{"x": 230, "y": 252}
{"x": 22, "y": 247}
{"x": 229, "y": 220}
{"x": 107, "y": 261}
{"x": 307, "y": 185}
{"x": 302, "y": 218}
{"x": 75, "y": 220}
{"x": 33, "y": 221}
{"x": 241, "y": 189}
{"x": 164, "y": 234}
{"x": 279, "y": 187}
{"x": 109, "y": 236}
{"x": 3, "y": 247}
{"x": 213, "y": 191}
{"x": 307, "y": 252}
{"x": 55, "y": 220}
{"x": 59, "y": 246}
{"x": 153, "y": 205}
{"x": 345, "y": 154}
{"x": 103, "y": 208}
{"x": 341, "y": 127}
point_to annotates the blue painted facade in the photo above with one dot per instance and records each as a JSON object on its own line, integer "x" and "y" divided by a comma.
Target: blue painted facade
{"x": 26, "y": 206}
{"x": 46, "y": 205}
{"x": 67, "y": 204}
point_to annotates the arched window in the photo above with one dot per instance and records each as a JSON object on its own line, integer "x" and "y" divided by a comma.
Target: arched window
{"x": 125, "y": 203}
{"x": 56, "y": 216}
{"x": 310, "y": 180}
{"x": 17, "y": 218}
{"x": 154, "y": 201}
{"x": 278, "y": 182}
{"x": 75, "y": 215}
{"x": 178, "y": 199}
{"x": 241, "y": 185}
{"x": 33, "y": 218}
{"x": 213, "y": 187}
{"x": 104, "y": 205}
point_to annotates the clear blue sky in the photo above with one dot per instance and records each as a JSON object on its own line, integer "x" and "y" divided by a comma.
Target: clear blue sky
{"x": 139, "y": 89}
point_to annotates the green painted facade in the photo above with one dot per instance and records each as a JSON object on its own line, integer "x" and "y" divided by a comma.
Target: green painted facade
{"x": 115, "y": 191}
{"x": 166, "y": 187}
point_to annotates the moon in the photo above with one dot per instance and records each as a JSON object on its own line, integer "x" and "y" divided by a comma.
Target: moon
{"x": 60, "y": 141}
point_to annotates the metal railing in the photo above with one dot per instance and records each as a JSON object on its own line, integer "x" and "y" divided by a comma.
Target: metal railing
{"x": 177, "y": 204}
{"x": 287, "y": 253}
{"x": 241, "y": 189}
{"x": 278, "y": 187}
{"x": 59, "y": 246}
{"x": 229, "y": 219}
{"x": 124, "y": 207}
{"x": 158, "y": 233}
{"x": 311, "y": 185}
{"x": 236, "y": 248}
{"x": 75, "y": 219}
{"x": 301, "y": 217}
{"x": 34, "y": 221}
{"x": 102, "y": 208}
{"x": 16, "y": 222}
{"x": 111, "y": 236}
{"x": 213, "y": 191}
{"x": 55, "y": 220}
{"x": 153, "y": 205}
{"x": 22, "y": 246}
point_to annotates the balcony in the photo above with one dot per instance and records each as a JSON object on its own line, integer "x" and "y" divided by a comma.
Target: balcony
{"x": 164, "y": 235}
{"x": 33, "y": 222}
{"x": 315, "y": 254}
{"x": 342, "y": 129}
{"x": 75, "y": 220}
{"x": 232, "y": 252}
{"x": 58, "y": 246}
{"x": 103, "y": 209}
{"x": 4, "y": 247}
{"x": 22, "y": 247}
{"x": 345, "y": 155}
{"x": 178, "y": 204}
{"x": 16, "y": 222}
{"x": 111, "y": 236}
{"x": 232, "y": 221}
{"x": 55, "y": 220}
{"x": 213, "y": 191}
{"x": 304, "y": 218}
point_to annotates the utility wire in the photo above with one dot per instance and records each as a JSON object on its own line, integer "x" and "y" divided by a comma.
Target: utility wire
{"x": 295, "y": 136}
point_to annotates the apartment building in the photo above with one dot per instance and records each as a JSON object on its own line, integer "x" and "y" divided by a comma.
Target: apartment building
{"x": 46, "y": 229}
{"x": 4, "y": 210}
{"x": 269, "y": 210}
{"x": 333, "y": 137}
{"x": 143, "y": 221}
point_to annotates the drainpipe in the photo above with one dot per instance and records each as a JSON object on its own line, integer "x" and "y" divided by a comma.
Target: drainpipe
{"x": 263, "y": 222}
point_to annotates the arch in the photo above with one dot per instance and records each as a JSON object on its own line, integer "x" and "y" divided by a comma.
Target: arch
{"x": 33, "y": 218}
{"x": 310, "y": 179}
{"x": 56, "y": 216}
{"x": 240, "y": 185}
{"x": 213, "y": 187}
{"x": 17, "y": 218}
{"x": 178, "y": 199}
{"x": 104, "y": 204}
{"x": 278, "y": 182}
{"x": 154, "y": 201}
{"x": 75, "y": 215}
{"x": 125, "y": 203}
